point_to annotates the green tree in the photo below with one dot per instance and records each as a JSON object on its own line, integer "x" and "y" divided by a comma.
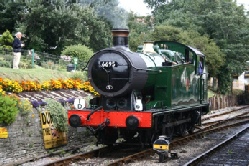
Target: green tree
{"x": 57, "y": 24}
{"x": 6, "y": 40}
{"x": 10, "y": 13}
{"x": 140, "y": 29}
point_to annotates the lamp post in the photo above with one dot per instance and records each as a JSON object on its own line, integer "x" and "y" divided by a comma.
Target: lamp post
{"x": 32, "y": 57}
{"x": 75, "y": 63}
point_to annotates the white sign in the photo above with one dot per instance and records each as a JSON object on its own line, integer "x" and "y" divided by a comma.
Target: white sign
{"x": 79, "y": 103}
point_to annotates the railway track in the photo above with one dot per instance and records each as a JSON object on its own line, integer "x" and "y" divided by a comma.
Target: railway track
{"x": 104, "y": 156}
{"x": 180, "y": 141}
{"x": 110, "y": 156}
{"x": 221, "y": 155}
{"x": 222, "y": 121}
{"x": 215, "y": 115}
{"x": 218, "y": 119}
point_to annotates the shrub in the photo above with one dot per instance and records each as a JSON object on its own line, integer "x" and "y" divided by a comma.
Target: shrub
{"x": 82, "y": 52}
{"x": 6, "y": 40}
{"x": 48, "y": 64}
{"x": 63, "y": 64}
{"x": 8, "y": 57}
{"x": 8, "y": 109}
{"x": 238, "y": 91}
{"x": 25, "y": 107}
{"x": 79, "y": 75}
{"x": 58, "y": 114}
{"x": 25, "y": 64}
{"x": 4, "y": 63}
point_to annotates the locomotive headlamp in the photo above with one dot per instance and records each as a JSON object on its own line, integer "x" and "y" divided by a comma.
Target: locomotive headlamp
{"x": 132, "y": 122}
{"x": 111, "y": 103}
{"x": 75, "y": 121}
{"x": 138, "y": 105}
{"x": 122, "y": 103}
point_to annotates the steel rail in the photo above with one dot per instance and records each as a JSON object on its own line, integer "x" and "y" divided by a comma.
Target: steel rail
{"x": 179, "y": 141}
{"x": 204, "y": 155}
{"x": 224, "y": 113}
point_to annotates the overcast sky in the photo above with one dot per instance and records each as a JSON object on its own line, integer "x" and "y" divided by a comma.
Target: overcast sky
{"x": 244, "y": 2}
{"x": 139, "y": 7}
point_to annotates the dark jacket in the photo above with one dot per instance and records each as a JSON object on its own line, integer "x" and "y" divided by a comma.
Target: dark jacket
{"x": 17, "y": 45}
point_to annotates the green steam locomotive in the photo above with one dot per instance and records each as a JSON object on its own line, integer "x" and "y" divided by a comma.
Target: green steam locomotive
{"x": 159, "y": 90}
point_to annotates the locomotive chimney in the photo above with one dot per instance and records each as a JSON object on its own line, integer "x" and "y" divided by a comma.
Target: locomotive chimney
{"x": 120, "y": 36}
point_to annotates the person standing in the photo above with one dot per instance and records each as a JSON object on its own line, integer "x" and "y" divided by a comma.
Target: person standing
{"x": 17, "y": 45}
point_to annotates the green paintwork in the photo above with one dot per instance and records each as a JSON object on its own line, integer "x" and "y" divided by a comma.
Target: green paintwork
{"x": 176, "y": 86}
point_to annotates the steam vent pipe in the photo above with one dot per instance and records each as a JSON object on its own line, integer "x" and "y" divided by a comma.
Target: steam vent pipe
{"x": 120, "y": 36}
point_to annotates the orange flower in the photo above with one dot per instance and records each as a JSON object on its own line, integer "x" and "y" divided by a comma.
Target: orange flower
{"x": 55, "y": 84}
{"x": 11, "y": 86}
{"x": 45, "y": 85}
{"x": 30, "y": 85}
{"x": 26, "y": 85}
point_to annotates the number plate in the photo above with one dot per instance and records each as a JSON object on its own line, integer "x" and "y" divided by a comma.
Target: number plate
{"x": 108, "y": 64}
{"x": 79, "y": 103}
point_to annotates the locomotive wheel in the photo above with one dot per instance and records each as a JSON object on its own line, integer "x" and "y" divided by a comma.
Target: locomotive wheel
{"x": 182, "y": 130}
{"x": 169, "y": 132}
{"x": 191, "y": 128}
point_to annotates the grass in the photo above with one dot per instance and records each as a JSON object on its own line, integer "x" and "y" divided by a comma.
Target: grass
{"x": 38, "y": 73}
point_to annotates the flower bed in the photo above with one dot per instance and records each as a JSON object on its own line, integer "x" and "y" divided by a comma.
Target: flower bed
{"x": 7, "y": 85}
{"x": 36, "y": 92}
{"x": 27, "y": 94}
